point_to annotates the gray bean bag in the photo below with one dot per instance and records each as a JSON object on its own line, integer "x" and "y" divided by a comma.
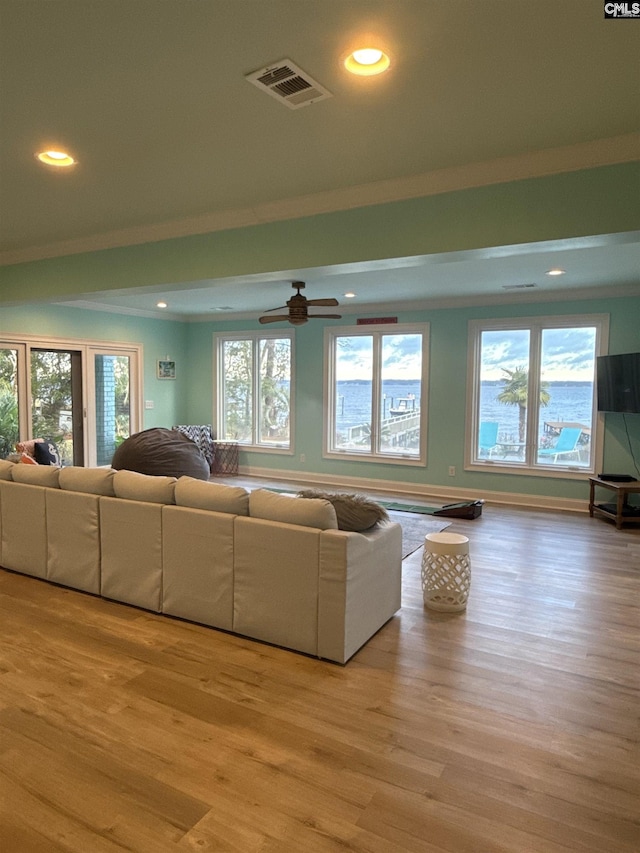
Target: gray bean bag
{"x": 164, "y": 452}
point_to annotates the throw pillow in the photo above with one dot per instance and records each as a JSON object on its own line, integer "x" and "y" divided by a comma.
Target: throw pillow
{"x": 26, "y": 459}
{"x": 46, "y": 453}
{"x": 28, "y": 446}
{"x": 354, "y": 512}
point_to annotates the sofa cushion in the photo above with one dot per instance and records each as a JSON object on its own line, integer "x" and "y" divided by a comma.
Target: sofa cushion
{"x": 91, "y": 481}
{"x": 317, "y": 513}
{"x": 212, "y": 496}
{"x": 354, "y": 512}
{"x": 46, "y": 453}
{"x": 142, "y": 487}
{"x": 36, "y": 475}
{"x": 5, "y": 469}
{"x": 161, "y": 451}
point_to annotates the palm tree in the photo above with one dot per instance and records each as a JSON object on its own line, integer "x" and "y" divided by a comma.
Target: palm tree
{"x": 515, "y": 393}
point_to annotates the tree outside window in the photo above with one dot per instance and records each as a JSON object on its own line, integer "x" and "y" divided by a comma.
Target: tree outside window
{"x": 254, "y": 389}
{"x": 547, "y": 360}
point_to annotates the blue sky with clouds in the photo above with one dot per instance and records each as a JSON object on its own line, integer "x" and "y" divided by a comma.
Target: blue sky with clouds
{"x": 401, "y": 357}
{"x": 567, "y": 354}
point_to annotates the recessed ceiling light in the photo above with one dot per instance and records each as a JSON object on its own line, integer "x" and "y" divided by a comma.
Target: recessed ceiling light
{"x": 555, "y": 272}
{"x": 161, "y": 304}
{"x": 56, "y": 158}
{"x": 367, "y": 61}
{"x": 349, "y": 295}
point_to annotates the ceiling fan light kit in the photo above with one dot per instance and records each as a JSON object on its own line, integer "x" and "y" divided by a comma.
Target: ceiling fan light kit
{"x": 298, "y": 306}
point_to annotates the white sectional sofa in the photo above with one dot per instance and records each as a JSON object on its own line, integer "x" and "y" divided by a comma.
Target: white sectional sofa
{"x": 267, "y": 566}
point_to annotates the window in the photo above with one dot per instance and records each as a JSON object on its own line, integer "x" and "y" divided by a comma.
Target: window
{"x": 83, "y": 395}
{"x": 532, "y": 405}
{"x": 255, "y": 389}
{"x": 376, "y": 392}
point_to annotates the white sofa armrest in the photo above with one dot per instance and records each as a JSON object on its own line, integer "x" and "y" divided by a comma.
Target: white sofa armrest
{"x": 359, "y": 589}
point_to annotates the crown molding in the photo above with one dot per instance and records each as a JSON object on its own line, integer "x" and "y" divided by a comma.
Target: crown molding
{"x": 551, "y": 161}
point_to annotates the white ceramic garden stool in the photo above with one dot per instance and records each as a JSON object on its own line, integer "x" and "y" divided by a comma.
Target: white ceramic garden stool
{"x": 446, "y": 571}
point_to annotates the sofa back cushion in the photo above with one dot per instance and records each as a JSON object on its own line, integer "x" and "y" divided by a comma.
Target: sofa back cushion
{"x": 36, "y": 475}
{"x": 354, "y": 512}
{"x": 92, "y": 481}
{"x": 144, "y": 487}
{"x": 212, "y": 496}
{"x": 6, "y": 468}
{"x": 316, "y": 513}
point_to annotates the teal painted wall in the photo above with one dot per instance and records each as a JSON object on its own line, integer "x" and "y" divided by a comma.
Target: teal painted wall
{"x": 604, "y": 200}
{"x": 159, "y": 338}
{"x": 595, "y": 201}
{"x": 189, "y": 399}
{"x": 447, "y": 400}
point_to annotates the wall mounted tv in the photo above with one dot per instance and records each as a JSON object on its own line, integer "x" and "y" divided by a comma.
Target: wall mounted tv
{"x": 619, "y": 382}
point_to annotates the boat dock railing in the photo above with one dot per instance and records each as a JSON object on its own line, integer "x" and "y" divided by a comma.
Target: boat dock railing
{"x": 397, "y": 431}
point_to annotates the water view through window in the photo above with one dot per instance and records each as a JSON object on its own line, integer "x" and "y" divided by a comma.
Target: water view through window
{"x": 378, "y": 406}
{"x": 554, "y": 368}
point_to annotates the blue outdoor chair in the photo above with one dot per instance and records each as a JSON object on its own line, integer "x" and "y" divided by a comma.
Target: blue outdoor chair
{"x": 567, "y": 443}
{"x": 487, "y": 437}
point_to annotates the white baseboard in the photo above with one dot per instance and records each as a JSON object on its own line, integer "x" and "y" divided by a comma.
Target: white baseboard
{"x": 440, "y": 494}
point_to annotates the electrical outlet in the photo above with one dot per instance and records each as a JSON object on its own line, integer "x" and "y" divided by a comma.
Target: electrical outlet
{"x": 452, "y": 470}
{"x": 148, "y": 404}
{"x": 303, "y": 457}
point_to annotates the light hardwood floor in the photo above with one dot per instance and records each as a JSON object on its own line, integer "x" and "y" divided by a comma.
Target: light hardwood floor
{"x": 510, "y": 727}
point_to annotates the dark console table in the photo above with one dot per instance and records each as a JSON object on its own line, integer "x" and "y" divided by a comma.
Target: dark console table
{"x": 619, "y": 511}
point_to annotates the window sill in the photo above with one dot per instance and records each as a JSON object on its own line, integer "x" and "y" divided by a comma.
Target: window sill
{"x": 343, "y": 455}
{"x": 557, "y": 472}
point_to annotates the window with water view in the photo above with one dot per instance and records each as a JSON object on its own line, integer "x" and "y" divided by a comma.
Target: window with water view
{"x": 377, "y": 392}
{"x": 534, "y": 393}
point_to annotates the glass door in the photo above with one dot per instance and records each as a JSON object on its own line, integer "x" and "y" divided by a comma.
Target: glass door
{"x": 11, "y": 416}
{"x": 56, "y": 401}
{"x": 114, "y": 389}
{"x": 112, "y": 403}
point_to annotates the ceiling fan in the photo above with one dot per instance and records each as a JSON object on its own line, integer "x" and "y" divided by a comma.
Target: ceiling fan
{"x": 298, "y": 308}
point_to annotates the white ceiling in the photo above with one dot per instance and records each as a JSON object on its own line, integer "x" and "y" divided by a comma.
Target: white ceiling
{"x": 151, "y": 98}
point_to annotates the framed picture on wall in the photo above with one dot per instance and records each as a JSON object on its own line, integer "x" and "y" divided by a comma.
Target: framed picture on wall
{"x": 166, "y": 369}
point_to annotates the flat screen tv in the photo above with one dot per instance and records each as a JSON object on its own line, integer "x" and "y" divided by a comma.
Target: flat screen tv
{"x": 618, "y": 378}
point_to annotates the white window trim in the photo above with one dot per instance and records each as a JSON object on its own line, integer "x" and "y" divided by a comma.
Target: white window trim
{"x": 568, "y": 471}
{"x": 332, "y": 332}
{"x": 218, "y": 384}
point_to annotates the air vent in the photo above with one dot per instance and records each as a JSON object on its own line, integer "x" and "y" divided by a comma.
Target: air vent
{"x": 517, "y": 286}
{"x": 289, "y": 84}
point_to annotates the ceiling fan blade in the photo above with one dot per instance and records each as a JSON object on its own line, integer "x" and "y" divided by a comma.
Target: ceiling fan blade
{"x": 322, "y": 302}
{"x": 325, "y": 316}
{"x": 275, "y": 319}
{"x": 279, "y": 308}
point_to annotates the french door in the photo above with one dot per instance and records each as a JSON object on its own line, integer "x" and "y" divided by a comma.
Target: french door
{"x": 85, "y": 397}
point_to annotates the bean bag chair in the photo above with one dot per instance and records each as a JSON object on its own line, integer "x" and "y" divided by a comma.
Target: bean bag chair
{"x": 161, "y": 452}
